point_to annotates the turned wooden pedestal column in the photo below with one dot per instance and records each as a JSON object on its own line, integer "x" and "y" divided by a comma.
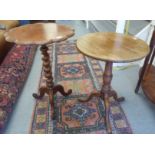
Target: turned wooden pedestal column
{"x": 50, "y": 88}
{"x": 105, "y": 93}
{"x": 110, "y": 47}
{"x": 42, "y": 34}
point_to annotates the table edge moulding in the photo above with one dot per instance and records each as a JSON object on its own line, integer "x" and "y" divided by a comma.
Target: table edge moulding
{"x": 30, "y": 33}
{"x": 115, "y": 40}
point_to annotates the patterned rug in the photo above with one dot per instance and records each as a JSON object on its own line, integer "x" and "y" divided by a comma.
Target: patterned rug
{"x": 14, "y": 71}
{"x": 83, "y": 75}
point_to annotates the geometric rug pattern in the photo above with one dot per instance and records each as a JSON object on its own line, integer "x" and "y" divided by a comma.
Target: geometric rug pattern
{"x": 83, "y": 75}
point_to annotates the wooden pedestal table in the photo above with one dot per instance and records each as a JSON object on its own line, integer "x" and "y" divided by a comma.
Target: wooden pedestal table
{"x": 147, "y": 73}
{"x": 110, "y": 47}
{"x": 42, "y": 34}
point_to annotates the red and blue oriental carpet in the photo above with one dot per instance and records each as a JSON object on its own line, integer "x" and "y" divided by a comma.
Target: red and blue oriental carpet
{"x": 83, "y": 75}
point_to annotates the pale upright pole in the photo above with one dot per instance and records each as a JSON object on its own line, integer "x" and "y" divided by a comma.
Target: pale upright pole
{"x": 120, "y": 26}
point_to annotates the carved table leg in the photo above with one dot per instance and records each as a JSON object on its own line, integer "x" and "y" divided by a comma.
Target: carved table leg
{"x": 93, "y": 94}
{"x": 50, "y": 89}
{"x": 60, "y": 88}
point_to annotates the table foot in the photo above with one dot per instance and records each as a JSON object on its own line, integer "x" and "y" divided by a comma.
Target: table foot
{"x": 115, "y": 96}
{"x": 120, "y": 99}
{"x": 42, "y": 92}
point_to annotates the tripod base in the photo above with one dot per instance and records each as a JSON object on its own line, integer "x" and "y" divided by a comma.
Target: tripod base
{"x": 51, "y": 93}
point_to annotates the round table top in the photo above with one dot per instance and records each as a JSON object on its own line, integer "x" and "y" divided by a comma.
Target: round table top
{"x": 40, "y": 33}
{"x": 110, "y": 46}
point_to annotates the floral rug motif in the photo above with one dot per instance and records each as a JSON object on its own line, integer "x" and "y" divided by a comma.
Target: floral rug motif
{"x": 83, "y": 75}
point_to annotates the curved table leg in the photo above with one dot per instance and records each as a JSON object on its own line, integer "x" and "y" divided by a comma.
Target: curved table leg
{"x": 42, "y": 91}
{"x": 98, "y": 94}
{"x": 115, "y": 96}
{"x": 60, "y": 88}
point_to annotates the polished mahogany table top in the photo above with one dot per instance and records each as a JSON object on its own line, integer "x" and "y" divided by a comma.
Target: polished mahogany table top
{"x": 40, "y": 33}
{"x": 111, "y": 46}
